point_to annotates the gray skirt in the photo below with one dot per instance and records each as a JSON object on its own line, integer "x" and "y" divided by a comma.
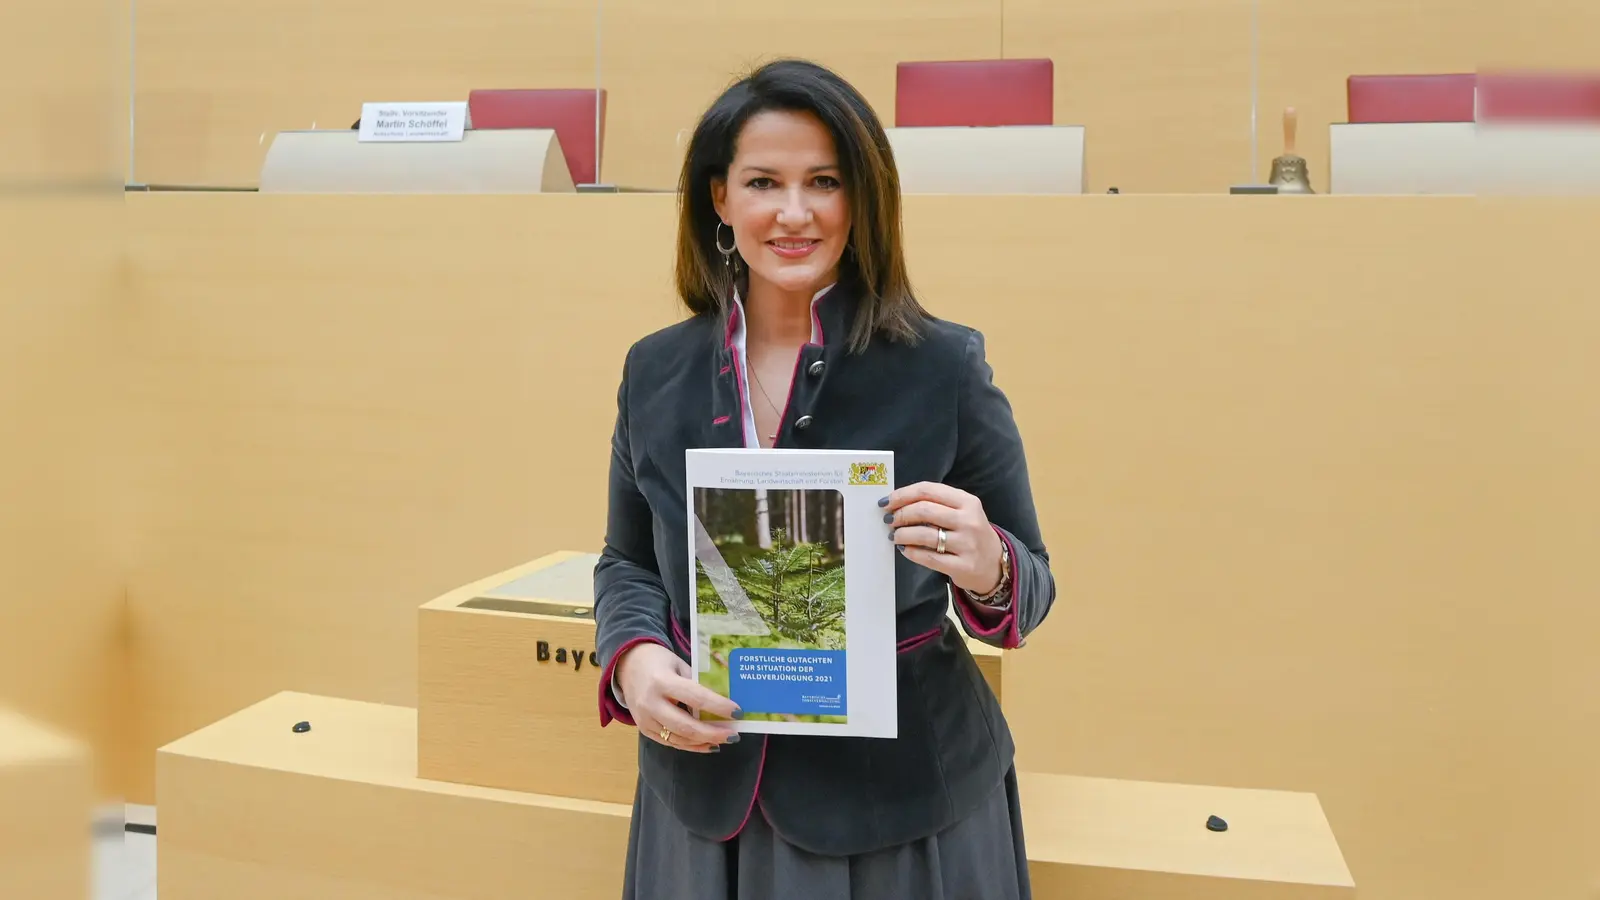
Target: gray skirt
{"x": 982, "y": 856}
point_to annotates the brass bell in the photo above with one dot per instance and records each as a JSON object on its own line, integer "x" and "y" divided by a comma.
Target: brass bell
{"x": 1289, "y": 171}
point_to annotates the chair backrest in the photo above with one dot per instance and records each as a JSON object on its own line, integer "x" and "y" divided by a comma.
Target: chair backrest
{"x": 974, "y": 92}
{"x": 571, "y": 113}
{"x": 1410, "y": 98}
{"x": 1538, "y": 97}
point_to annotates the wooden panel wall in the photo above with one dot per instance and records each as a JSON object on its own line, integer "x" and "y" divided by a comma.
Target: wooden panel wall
{"x": 1318, "y": 482}
{"x": 63, "y": 143}
{"x": 64, "y": 65}
{"x": 63, "y": 525}
{"x": 216, "y": 80}
{"x": 1322, "y": 489}
{"x": 381, "y": 419}
{"x": 1162, "y": 85}
{"x": 665, "y": 63}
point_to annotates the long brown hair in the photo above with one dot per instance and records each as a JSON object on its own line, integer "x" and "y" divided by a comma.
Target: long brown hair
{"x": 873, "y": 260}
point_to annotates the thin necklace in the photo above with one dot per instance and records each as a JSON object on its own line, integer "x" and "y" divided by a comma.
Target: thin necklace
{"x": 771, "y": 438}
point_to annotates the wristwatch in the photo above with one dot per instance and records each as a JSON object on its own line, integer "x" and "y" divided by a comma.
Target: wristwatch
{"x": 1002, "y": 589}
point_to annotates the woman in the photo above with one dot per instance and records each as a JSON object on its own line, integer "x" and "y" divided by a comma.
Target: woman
{"x": 805, "y": 333}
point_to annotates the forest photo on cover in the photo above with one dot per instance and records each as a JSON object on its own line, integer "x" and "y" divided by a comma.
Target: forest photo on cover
{"x": 769, "y": 575}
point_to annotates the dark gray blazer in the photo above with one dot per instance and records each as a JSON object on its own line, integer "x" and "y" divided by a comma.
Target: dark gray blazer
{"x": 935, "y": 405}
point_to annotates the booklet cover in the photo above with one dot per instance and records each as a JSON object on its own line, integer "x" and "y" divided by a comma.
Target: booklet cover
{"x": 793, "y": 575}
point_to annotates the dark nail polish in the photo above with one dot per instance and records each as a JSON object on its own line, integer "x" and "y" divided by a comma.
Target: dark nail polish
{"x": 738, "y": 714}
{"x": 888, "y": 519}
{"x": 883, "y": 501}
{"x": 716, "y": 749}
{"x": 732, "y": 738}
{"x": 891, "y": 534}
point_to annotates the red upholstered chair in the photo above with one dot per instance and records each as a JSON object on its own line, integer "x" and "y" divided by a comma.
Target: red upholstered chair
{"x": 975, "y": 92}
{"x": 1410, "y": 98}
{"x": 1538, "y": 97}
{"x": 570, "y": 113}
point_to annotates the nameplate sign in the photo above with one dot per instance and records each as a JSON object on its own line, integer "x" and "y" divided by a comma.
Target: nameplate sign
{"x": 414, "y": 122}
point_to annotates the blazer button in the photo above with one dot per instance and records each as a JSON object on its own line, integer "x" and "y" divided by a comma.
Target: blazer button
{"x": 816, "y": 368}
{"x": 802, "y": 423}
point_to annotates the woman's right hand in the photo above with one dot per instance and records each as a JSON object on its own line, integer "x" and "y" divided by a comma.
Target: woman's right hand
{"x": 654, "y": 682}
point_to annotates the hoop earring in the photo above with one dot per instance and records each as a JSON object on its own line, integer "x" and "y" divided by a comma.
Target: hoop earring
{"x": 727, "y": 252}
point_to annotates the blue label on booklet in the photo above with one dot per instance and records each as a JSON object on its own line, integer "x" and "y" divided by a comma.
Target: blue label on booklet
{"x": 788, "y": 682}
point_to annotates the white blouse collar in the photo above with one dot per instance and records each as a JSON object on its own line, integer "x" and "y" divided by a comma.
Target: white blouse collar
{"x": 752, "y": 439}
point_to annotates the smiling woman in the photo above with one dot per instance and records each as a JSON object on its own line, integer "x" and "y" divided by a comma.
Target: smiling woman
{"x": 790, "y": 178}
{"x": 805, "y": 334}
{"x": 786, "y": 205}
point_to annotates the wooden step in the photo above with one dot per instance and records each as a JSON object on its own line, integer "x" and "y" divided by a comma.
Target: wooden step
{"x": 1109, "y": 839}
{"x": 251, "y": 809}
{"x": 507, "y": 691}
{"x": 46, "y": 812}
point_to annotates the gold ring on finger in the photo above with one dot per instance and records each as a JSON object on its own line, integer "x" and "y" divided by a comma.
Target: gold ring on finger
{"x": 666, "y": 736}
{"x": 940, "y": 548}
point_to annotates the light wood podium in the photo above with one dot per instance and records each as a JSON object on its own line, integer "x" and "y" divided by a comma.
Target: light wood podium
{"x": 1011, "y": 159}
{"x": 1465, "y": 158}
{"x": 508, "y": 686}
{"x": 494, "y": 161}
{"x": 46, "y": 812}
{"x": 501, "y": 783}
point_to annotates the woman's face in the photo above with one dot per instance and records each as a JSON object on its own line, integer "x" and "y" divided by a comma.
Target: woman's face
{"x": 785, "y": 201}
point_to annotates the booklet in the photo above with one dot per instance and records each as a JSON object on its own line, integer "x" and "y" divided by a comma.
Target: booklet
{"x": 793, "y": 574}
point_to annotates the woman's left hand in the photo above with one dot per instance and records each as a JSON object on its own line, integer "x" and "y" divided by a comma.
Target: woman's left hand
{"x": 972, "y": 551}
